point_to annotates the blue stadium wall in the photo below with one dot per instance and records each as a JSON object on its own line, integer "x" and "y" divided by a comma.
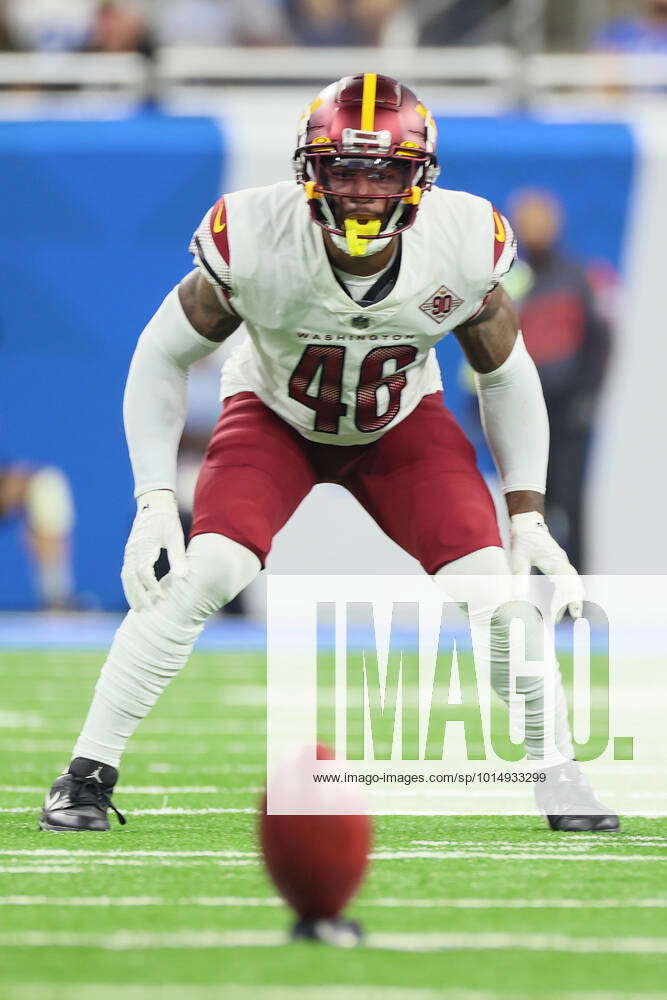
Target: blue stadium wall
{"x": 96, "y": 219}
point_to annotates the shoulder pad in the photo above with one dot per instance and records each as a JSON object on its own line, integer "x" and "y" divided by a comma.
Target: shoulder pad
{"x": 504, "y": 247}
{"x": 210, "y": 247}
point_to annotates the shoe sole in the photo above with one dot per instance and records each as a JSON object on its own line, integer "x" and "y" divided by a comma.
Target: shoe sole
{"x": 588, "y": 829}
{"x": 50, "y": 828}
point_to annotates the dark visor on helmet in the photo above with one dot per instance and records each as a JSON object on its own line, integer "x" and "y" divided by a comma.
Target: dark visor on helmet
{"x": 366, "y": 177}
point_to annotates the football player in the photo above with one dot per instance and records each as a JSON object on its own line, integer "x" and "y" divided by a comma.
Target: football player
{"x": 345, "y": 281}
{"x": 42, "y": 497}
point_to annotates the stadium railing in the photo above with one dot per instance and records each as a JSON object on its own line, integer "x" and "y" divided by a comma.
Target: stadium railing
{"x": 94, "y": 70}
{"x": 492, "y": 76}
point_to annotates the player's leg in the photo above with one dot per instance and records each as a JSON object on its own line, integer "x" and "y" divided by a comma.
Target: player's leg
{"x": 147, "y": 652}
{"x": 153, "y": 645}
{"x": 254, "y": 475}
{"x": 421, "y": 484}
{"x": 544, "y": 712}
{"x": 564, "y": 796}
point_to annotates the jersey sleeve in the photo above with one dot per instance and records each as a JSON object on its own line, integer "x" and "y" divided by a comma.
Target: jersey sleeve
{"x": 497, "y": 259}
{"x": 209, "y": 247}
{"x": 504, "y": 248}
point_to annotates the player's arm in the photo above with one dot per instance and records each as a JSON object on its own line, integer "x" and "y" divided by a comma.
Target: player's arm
{"x": 191, "y": 323}
{"x": 516, "y": 426}
{"x": 489, "y": 341}
{"x": 207, "y": 309}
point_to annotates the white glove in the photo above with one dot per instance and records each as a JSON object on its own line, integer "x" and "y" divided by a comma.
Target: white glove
{"x": 156, "y": 526}
{"x": 531, "y": 544}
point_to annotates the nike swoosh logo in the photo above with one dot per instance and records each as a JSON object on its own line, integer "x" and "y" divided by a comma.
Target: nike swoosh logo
{"x": 501, "y": 235}
{"x": 218, "y": 224}
{"x": 58, "y": 799}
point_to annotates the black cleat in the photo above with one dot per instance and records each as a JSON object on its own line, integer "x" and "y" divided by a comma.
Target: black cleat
{"x": 569, "y": 803}
{"x": 79, "y": 799}
{"x": 328, "y": 930}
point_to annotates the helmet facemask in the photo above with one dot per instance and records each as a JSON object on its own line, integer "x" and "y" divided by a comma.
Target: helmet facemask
{"x": 365, "y": 173}
{"x": 363, "y": 200}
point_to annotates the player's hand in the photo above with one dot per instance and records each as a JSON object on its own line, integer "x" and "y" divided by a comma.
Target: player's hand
{"x": 531, "y": 544}
{"x": 156, "y": 526}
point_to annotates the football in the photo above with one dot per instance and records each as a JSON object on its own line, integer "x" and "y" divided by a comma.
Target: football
{"x": 316, "y": 862}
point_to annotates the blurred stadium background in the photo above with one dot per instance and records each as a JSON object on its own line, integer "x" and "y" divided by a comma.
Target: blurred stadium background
{"x": 121, "y": 122}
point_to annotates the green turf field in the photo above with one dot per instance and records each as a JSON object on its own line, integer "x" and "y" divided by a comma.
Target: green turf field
{"x": 176, "y": 904}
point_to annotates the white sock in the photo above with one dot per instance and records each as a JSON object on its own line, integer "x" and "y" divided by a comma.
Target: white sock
{"x": 151, "y": 646}
{"x": 541, "y": 695}
{"x": 55, "y": 581}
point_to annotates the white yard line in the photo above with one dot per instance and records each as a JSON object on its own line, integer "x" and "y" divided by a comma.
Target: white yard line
{"x": 127, "y": 863}
{"x": 527, "y": 848}
{"x": 491, "y": 941}
{"x": 142, "y": 991}
{"x": 47, "y": 852}
{"x": 516, "y": 904}
{"x": 130, "y": 901}
{"x": 39, "y": 870}
{"x": 164, "y": 811}
{"x": 140, "y": 748}
{"x": 105, "y": 991}
{"x": 270, "y": 902}
{"x": 584, "y": 840}
{"x": 423, "y": 855}
{"x": 48, "y": 729}
{"x": 175, "y": 811}
{"x": 21, "y": 720}
{"x": 516, "y": 855}
{"x": 142, "y": 789}
{"x": 484, "y": 941}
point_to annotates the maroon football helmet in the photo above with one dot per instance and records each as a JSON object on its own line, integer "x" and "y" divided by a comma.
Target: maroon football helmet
{"x": 373, "y": 126}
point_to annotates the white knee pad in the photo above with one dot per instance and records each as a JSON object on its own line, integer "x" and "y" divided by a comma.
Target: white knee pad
{"x": 221, "y": 567}
{"x": 218, "y": 569}
{"x": 492, "y": 583}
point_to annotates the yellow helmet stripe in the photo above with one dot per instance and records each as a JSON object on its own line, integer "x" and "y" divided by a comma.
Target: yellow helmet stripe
{"x": 368, "y": 102}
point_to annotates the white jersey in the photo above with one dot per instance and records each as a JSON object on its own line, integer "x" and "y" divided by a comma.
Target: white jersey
{"x": 337, "y": 371}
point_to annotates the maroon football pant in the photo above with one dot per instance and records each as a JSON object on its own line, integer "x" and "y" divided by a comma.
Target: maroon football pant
{"x": 419, "y": 482}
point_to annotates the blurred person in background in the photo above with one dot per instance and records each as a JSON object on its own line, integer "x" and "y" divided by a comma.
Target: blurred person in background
{"x": 49, "y": 25}
{"x": 43, "y": 499}
{"x": 644, "y": 32}
{"x": 77, "y": 25}
{"x": 6, "y": 40}
{"x": 467, "y": 22}
{"x": 119, "y": 27}
{"x": 321, "y": 22}
{"x": 371, "y": 17}
{"x": 340, "y": 22}
{"x": 569, "y": 340}
{"x": 221, "y": 22}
